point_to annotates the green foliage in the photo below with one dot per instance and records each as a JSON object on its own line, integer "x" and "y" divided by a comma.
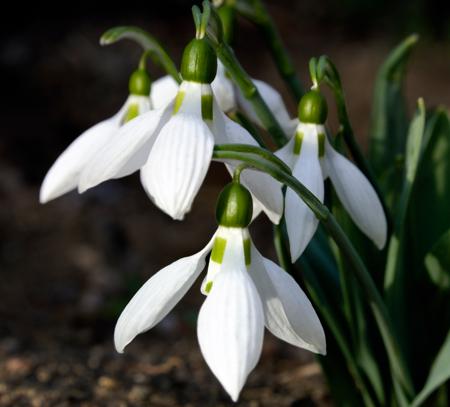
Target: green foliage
{"x": 437, "y": 262}
{"x": 386, "y": 313}
{"x": 389, "y": 120}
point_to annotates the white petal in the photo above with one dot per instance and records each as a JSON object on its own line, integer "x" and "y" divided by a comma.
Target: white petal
{"x": 127, "y": 151}
{"x": 144, "y": 103}
{"x": 357, "y": 195}
{"x": 223, "y": 89}
{"x": 263, "y": 187}
{"x": 178, "y": 163}
{"x": 275, "y": 103}
{"x": 301, "y": 222}
{"x": 156, "y": 298}
{"x": 163, "y": 91}
{"x": 286, "y": 153}
{"x": 288, "y": 312}
{"x": 231, "y": 324}
{"x": 64, "y": 175}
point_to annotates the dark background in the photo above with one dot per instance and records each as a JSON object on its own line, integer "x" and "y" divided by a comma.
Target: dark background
{"x": 68, "y": 268}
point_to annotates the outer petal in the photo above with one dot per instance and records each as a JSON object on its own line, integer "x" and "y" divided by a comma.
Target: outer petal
{"x": 156, "y": 298}
{"x": 357, "y": 195}
{"x": 286, "y": 153}
{"x": 223, "y": 89}
{"x": 265, "y": 189}
{"x": 288, "y": 312}
{"x": 231, "y": 323}
{"x": 274, "y": 102}
{"x": 127, "y": 151}
{"x": 64, "y": 175}
{"x": 301, "y": 222}
{"x": 178, "y": 163}
{"x": 163, "y": 91}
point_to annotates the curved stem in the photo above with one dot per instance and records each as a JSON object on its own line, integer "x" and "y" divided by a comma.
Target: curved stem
{"x": 262, "y": 152}
{"x": 147, "y": 42}
{"x": 250, "y": 91}
{"x": 360, "y": 271}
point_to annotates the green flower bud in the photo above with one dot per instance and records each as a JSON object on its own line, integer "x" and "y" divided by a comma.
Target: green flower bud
{"x": 234, "y": 206}
{"x": 199, "y": 63}
{"x": 313, "y": 108}
{"x": 140, "y": 83}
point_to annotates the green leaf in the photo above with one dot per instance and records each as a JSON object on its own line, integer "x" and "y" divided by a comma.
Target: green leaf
{"x": 395, "y": 275}
{"x": 356, "y": 310}
{"x": 439, "y": 373}
{"x": 429, "y": 215}
{"x": 389, "y": 122}
{"x": 437, "y": 262}
{"x": 147, "y": 42}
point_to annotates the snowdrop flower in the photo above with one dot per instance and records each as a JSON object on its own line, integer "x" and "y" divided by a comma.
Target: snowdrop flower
{"x": 244, "y": 292}
{"x": 229, "y": 97}
{"x": 173, "y": 145}
{"x": 312, "y": 160}
{"x": 64, "y": 175}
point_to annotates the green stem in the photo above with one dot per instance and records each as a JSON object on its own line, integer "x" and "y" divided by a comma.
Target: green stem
{"x": 262, "y": 152}
{"x": 250, "y": 91}
{"x": 361, "y": 273}
{"x": 259, "y": 15}
{"x": 147, "y": 42}
{"x": 237, "y": 172}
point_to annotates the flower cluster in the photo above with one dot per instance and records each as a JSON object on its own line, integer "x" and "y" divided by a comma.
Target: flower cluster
{"x": 167, "y": 132}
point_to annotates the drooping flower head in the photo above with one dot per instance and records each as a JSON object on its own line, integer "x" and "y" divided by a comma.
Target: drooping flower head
{"x": 244, "y": 292}
{"x": 313, "y": 159}
{"x": 172, "y": 146}
{"x": 64, "y": 175}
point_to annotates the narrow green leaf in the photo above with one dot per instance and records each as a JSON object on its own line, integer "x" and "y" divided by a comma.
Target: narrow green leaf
{"x": 439, "y": 373}
{"x": 356, "y": 310}
{"x": 147, "y": 42}
{"x": 437, "y": 262}
{"x": 429, "y": 216}
{"x": 389, "y": 122}
{"x": 394, "y": 282}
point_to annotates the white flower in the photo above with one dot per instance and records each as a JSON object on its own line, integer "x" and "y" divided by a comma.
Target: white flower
{"x": 64, "y": 175}
{"x": 172, "y": 146}
{"x": 245, "y": 292}
{"x": 229, "y": 97}
{"x": 313, "y": 159}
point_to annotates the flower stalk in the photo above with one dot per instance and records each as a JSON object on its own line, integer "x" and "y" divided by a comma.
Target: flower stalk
{"x": 147, "y": 42}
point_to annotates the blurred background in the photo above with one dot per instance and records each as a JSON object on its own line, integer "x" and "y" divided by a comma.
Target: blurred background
{"x": 69, "y": 267}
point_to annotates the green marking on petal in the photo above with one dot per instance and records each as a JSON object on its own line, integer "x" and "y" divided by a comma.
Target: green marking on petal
{"x": 247, "y": 252}
{"x": 298, "y": 142}
{"x": 131, "y": 113}
{"x": 208, "y": 287}
{"x": 321, "y": 144}
{"x": 218, "y": 250}
{"x": 207, "y": 106}
{"x": 178, "y": 101}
